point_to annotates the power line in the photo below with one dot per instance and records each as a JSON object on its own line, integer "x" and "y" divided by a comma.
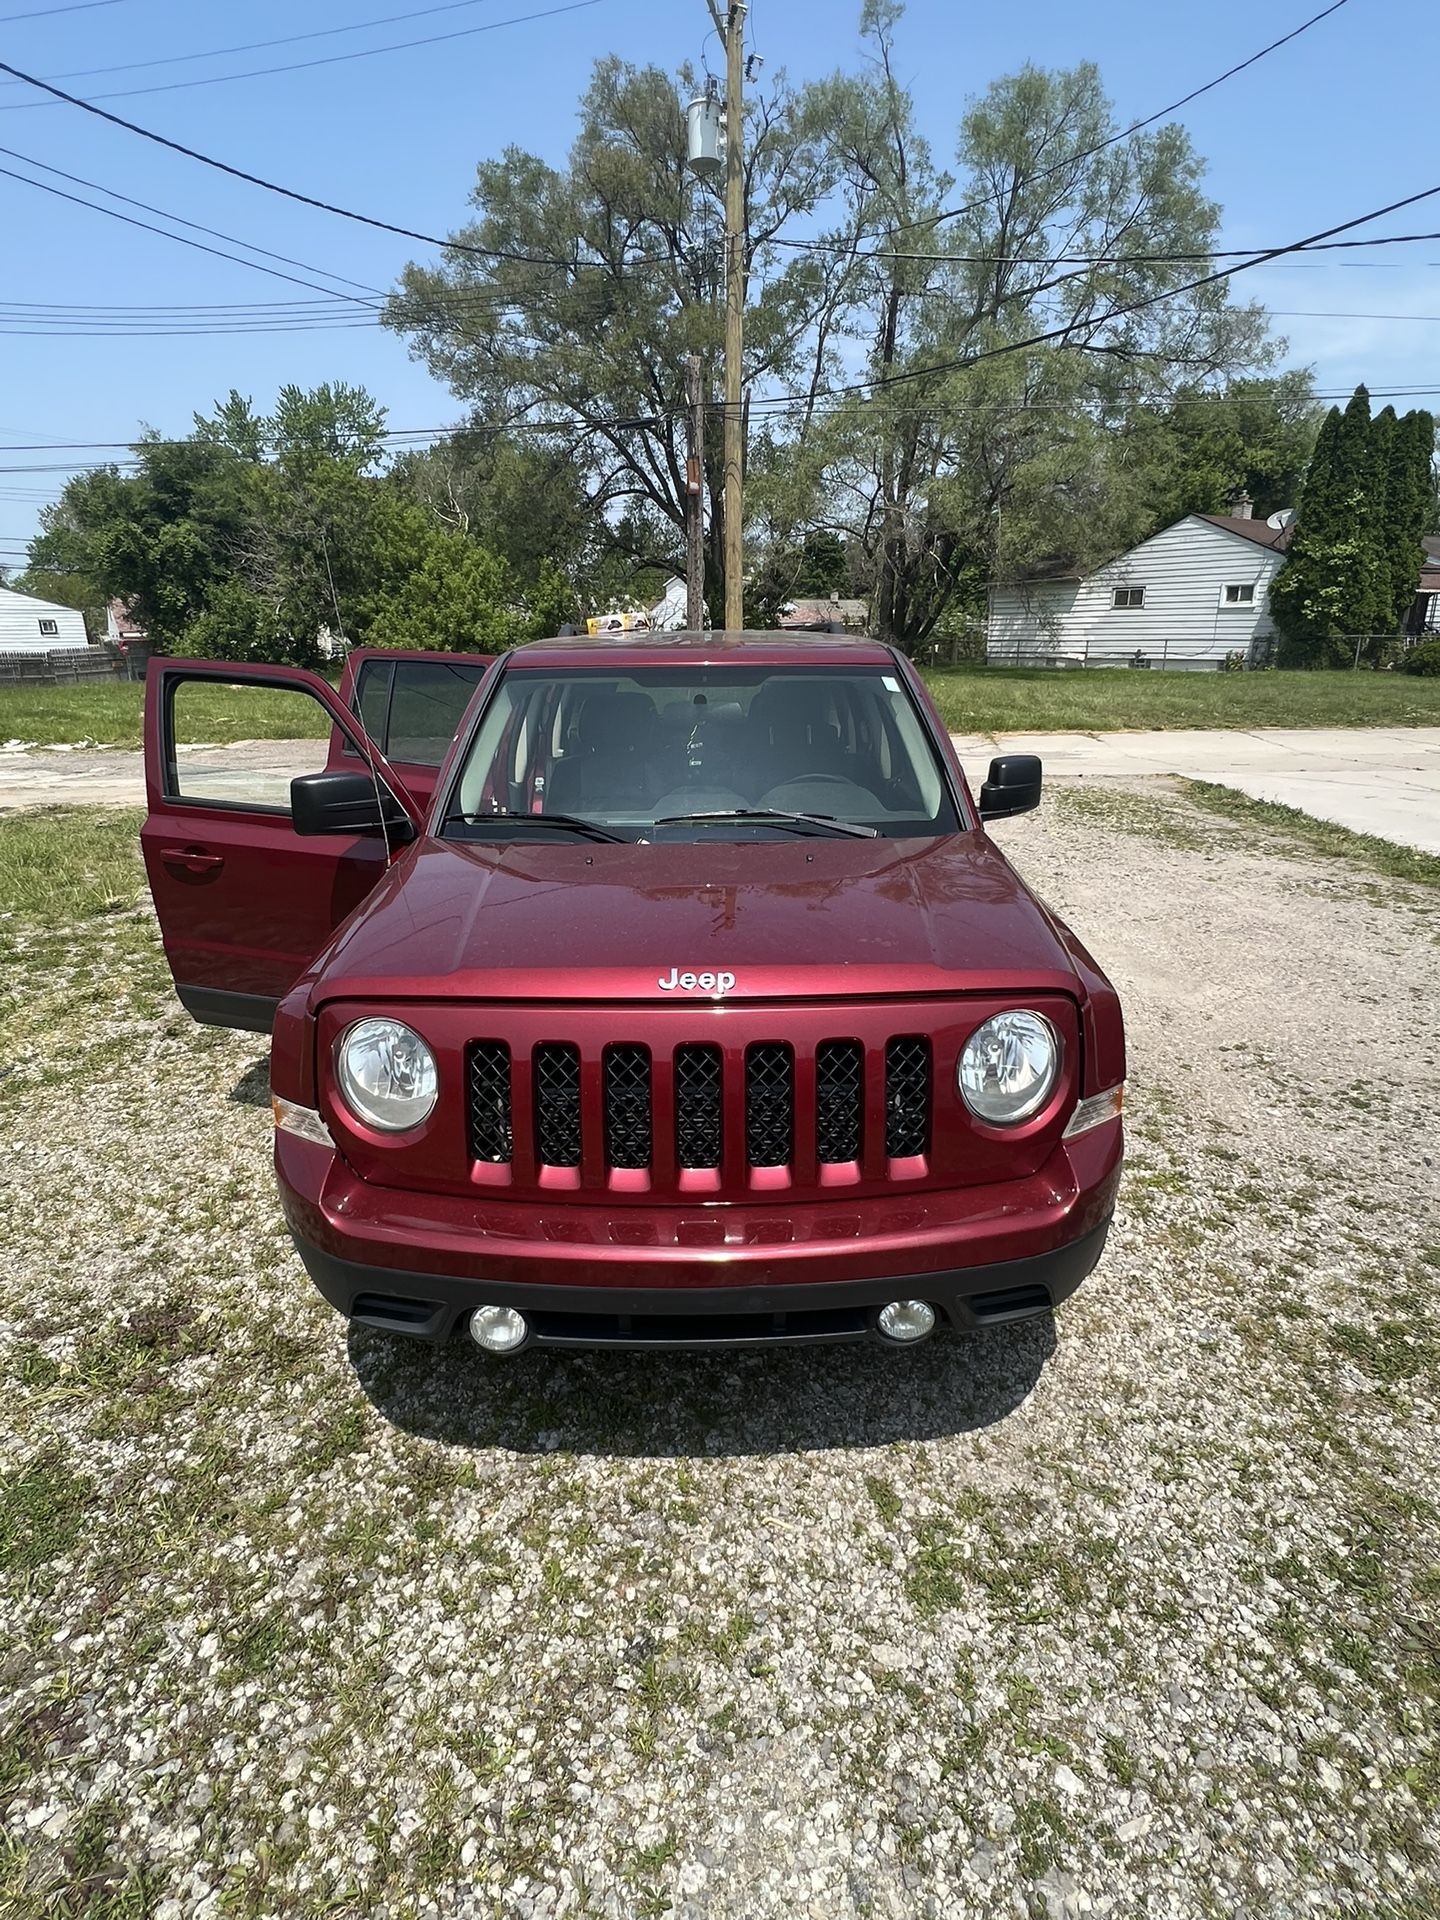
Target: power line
{"x": 326, "y": 60}
{"x": 113, "y": 213}
{"x": 78, "y": 180}
{"x": 1110, "y": 259}
{"x": 76, "y": 6}
{"x": 291, "y": 193}
{"x": 1061, "y": 333}
{"x": 1088, "y": 153}
{"x": 256, "y": 46}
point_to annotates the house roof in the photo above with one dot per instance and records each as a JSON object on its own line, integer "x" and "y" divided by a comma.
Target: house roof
{"x": 1260, "y": 532}
{"x": 28, "y": 603}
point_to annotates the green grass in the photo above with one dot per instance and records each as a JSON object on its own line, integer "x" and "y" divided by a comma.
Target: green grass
{"x": 69, "y": 863}
{"x": 111, "y": 714}
{"x": 1298, "y": 833}
{"x": 972, "y": 700}
{"x": 1106, "y": 699}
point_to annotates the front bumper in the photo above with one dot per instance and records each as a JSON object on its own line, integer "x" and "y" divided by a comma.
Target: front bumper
{"x": 428, "y": 1306}
{"x": 585, "y": 1274}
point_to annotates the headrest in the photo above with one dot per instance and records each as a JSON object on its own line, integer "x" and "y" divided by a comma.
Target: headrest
{"x": 793, "y": 705}
{"x": 615, "y": 720}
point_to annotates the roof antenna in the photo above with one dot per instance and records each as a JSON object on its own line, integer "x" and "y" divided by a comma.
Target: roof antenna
{"x": 367, "y": 746}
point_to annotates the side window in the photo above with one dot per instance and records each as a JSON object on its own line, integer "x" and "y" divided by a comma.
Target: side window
{"x": 233, "y": 743}
{"x": 372, "y": 700}
{"x": 427, "y": 707}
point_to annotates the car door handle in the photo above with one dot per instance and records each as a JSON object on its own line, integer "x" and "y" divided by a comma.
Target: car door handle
{"x": 195, "y": 859}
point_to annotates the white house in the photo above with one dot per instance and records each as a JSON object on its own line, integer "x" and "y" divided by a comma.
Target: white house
{"x": 1186, "y": 597}
{"x": 28, "y": 625}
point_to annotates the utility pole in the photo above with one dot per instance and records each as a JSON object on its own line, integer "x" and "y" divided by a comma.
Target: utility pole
{"x": 695, "y": 497}
{"x": 731, "y": 29}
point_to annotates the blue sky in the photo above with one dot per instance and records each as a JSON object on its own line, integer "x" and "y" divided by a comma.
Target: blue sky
{"x": 1328, "y": 127}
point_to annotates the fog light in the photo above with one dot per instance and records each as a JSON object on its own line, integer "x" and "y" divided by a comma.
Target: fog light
{"x": 906, "y": 1320}
{"x": 499, "y": 1329}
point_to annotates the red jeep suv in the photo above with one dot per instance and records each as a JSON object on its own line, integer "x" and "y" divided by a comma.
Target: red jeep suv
{"x": 695, "y": 1006}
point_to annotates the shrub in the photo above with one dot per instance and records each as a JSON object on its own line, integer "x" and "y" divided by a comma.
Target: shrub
{"x": 1425, "y": 658}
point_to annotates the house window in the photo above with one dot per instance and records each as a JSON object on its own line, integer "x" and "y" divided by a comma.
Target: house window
{"x": 1242, "y": 596}
{"x": 50, "y": 628}
{"x": 1129, "y": 597}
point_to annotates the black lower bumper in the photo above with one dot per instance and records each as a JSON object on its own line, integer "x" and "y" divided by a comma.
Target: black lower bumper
{"x": 429, "y": 1306}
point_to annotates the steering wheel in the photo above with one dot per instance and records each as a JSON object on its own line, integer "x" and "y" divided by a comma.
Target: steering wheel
{"x": 817, "y": 779}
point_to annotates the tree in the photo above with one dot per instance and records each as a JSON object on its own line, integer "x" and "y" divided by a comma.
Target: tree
{"x": 251, "y": 535}
{"x": 592, "y": 282}
{"x": 1404, "y": 458}
{"x": 1202, "y": 446}
{"x": 973, "y": 453}
{"x": 434, "y": 588}
{"x": 1355, "y": 556}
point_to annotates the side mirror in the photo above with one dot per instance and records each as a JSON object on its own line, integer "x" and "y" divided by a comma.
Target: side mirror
{"x": 1011, "y": 786}
{"x": 345, "y": 802}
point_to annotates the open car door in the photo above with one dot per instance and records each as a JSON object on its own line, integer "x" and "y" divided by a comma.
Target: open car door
{"x": 244, "y": 901}
{"x": 410, "y": 703}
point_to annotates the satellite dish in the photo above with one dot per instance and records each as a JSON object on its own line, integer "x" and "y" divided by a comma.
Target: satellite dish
{"x": 1279, "y": 521}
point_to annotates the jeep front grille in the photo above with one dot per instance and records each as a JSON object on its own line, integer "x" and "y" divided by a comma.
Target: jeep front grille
{"x": 491, "y": 1135}
{"x": 627, "y": 1106}
{"x": 697, "y": 1109}
{"x": 839, "y": 1099}
{"x": 907, "y": 1096}
{"x": 698, "y": 1106}
{"x": 557, "y": 1104}
{"x": 769, "y": 1104}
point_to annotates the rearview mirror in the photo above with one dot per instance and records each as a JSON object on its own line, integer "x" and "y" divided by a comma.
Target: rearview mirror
{"x": 1011, "y": 786}
{"x": 343, "y": 802}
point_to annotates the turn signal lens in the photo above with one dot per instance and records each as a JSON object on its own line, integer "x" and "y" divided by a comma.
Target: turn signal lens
{"x": 302, "y": 1120}
{"x": 1095, "y": 1111}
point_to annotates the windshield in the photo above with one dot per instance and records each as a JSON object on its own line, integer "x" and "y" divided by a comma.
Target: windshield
{"x": 702, "y": 753}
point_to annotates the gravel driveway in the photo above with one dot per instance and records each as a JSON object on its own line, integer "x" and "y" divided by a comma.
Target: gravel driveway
{"x": 1134, "y": 1614}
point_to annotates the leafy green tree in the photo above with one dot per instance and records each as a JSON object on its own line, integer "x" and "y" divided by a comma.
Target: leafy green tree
{"x": 238, "y": 624}
{"x": 607, "y": 273}
{"x": 1203, "y": 445}
{"x": 973, "y": 454}
{"x": 434, "y": 588}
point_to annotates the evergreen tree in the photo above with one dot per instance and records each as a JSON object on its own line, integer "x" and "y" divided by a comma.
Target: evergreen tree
{"x": 1408, "y": 493}
{"x": 1333, "y": 585}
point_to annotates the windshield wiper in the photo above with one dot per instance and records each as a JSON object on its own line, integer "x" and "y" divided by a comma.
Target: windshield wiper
{"x": 570, "y": 822}
{"x": 776, "y": 816}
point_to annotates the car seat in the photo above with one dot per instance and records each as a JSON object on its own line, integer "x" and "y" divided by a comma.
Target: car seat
{"x": 609, "y": 768}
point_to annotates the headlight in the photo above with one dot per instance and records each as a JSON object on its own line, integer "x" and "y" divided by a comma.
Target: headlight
{"x": 387, "y": 1074}
{"x": 1008, "y": 1068}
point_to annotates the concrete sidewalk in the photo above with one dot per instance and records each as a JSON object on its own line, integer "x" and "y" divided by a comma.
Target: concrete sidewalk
{"x": 1383, "y": 780}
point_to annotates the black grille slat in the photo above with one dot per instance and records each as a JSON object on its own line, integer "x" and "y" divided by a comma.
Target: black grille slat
{"x": 769, "y": 1104}
{"x": 492, "y": 1136}
{"x": 627, "y": 1106}
{"x": 557, "y": 1104}
{"x": 698, "y": 1106}
{"x": 907, "y": 1096}
{"x": 839, "y": 1099}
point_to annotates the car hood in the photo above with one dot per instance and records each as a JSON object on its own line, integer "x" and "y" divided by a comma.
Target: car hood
{"x": 794, "y": 918}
